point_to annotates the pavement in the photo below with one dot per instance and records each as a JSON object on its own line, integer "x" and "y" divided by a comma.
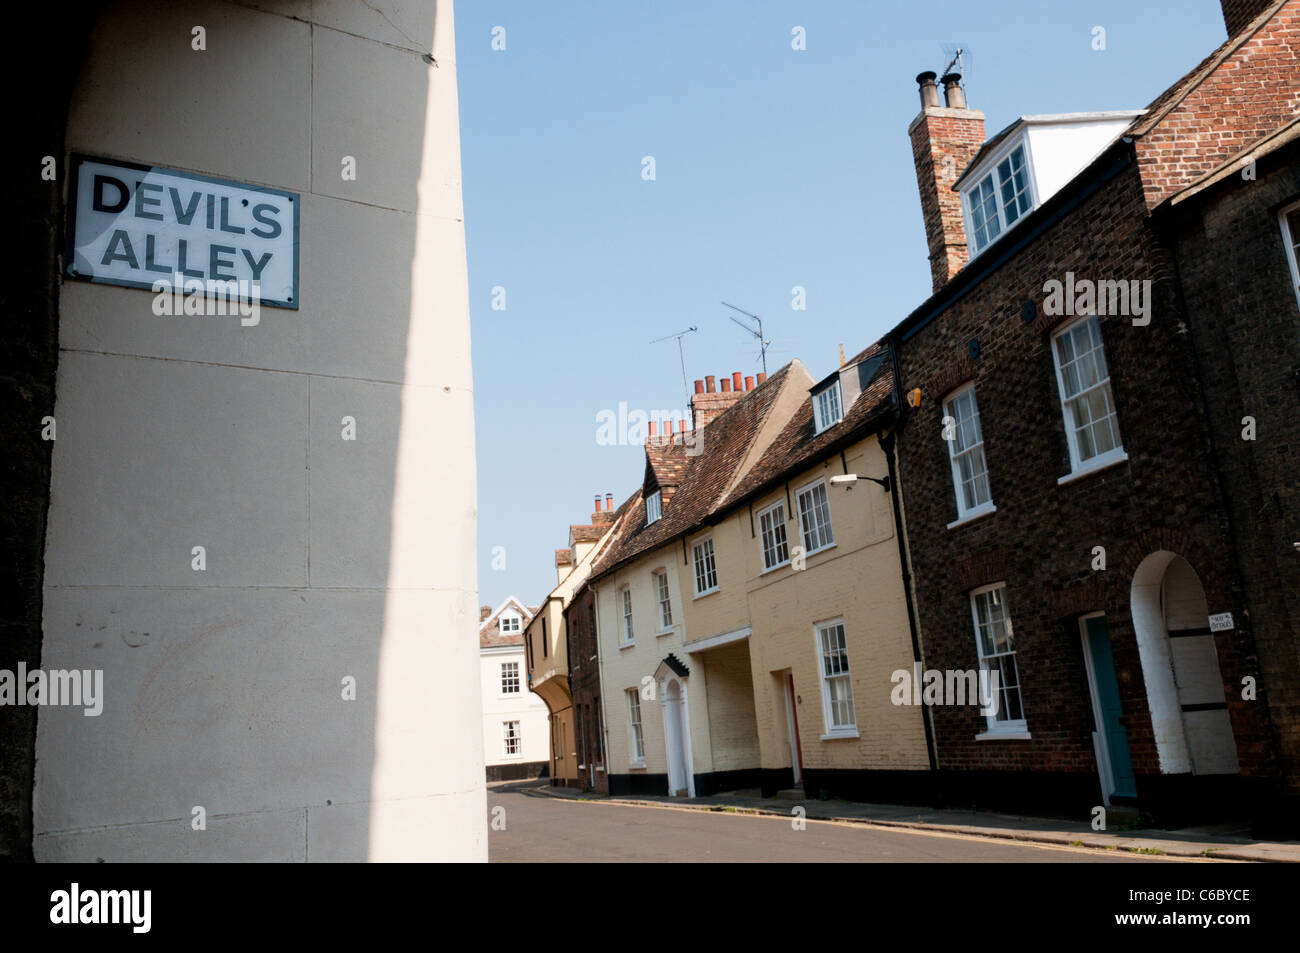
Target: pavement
{"x": 1218, "y": 842}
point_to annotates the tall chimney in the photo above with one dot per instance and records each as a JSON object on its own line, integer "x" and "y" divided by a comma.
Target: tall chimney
{"x": 726, "y": 385}
{"x": 749, "y": 382}
{"x": 708, "y": 380}
{"x": 1239, "y": 14}
{"x": 944, "y": 140}
{"x": 609, "y": 502}
{"x": 597, "y": 502}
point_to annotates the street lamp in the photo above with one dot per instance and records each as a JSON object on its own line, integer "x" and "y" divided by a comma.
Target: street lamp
{"x": 848, "y": 479}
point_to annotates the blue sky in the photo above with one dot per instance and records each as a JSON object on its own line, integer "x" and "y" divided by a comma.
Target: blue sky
{"x": 774, "y": 169}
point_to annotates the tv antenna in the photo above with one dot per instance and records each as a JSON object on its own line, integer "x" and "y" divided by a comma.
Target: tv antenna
{"x": 956, "y": 61}
{"x": 757, "y": 333}
{"x": 681, "y": 352}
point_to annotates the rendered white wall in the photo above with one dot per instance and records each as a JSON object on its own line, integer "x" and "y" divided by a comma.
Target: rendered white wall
{"x": 526, "y": 708}
{"x": 223, "y": 688}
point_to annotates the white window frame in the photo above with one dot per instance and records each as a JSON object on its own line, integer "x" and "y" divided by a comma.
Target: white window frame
{"x": 508, "y": 736}
{"x": 808, "y": 488}
{"x": 636, "y": 732}
{"x": 769, "y": 512}
{"x": 1289, "y": 242}
{"x": 1099, "y": 461}
{"x": 664, "y": 597}
{"x": 514, "y": 629}
{"x": 974, "y": 451}
{"x": 712, "y": 566}
{"x": 969, "y": 192}
{"x": 997, "y": 726}
{"x": 833, "y": 729}
{"x": 507, "y": 679}
{"x": 820, "y": 411}
{"x": 626, "y": 630}
{"x": 655, "y": 511}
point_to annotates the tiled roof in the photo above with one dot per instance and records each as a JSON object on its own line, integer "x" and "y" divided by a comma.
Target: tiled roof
{"x": 563, "y": 557}
{"x": 704, "y": 477}
{"x": 586, "y": 534}
{"x": 798, "y": 446}
{"x": 493, "y": 639}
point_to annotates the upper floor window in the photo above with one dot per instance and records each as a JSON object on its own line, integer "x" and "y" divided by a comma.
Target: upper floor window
{"x": 837, "y": 685}
{"x": 665, "y": 602}
{"x": 625, "y": 602}
{"x": 1290, "y": 220}
{"x": 771, "y": 531}
{"x": 815, "y": 517}
{"x": 998, "y": 200}
{"x": 826, "y": 406}
{"x": 509, "y": 623}
{"x": 509, "y": 678}
{"x": 970, "y": 476}
{"x": 653, "y": 507}
{"x": 706, "y": 570}
{"x": 997, "y": 654}
{"x": 1091, "y": 424}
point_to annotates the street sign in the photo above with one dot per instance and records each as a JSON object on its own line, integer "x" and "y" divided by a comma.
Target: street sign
{"x": 1221, "y": 622}
{"x": 137, "y": 225}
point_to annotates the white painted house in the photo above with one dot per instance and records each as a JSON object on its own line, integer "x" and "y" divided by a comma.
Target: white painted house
{"x": 515, "y": 725}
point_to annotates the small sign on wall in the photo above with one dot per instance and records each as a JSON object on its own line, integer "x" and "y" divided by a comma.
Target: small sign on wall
{"x": 1221, "y": 622}
{"x": 136, "y": 225}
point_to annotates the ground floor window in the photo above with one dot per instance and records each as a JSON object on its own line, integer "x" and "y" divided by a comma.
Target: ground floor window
{"x": 837, "y": 686}
{"x": 997, "y": 653}
{"x": 634, "y": 719}
{"x": 510, "y": 732}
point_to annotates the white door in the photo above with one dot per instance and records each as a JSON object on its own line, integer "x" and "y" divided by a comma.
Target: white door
{"x": 675, "y": 739}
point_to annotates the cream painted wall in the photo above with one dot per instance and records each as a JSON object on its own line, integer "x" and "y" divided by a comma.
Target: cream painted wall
{"x": 326, "y": 559}
{"x": 858, "y": 580}
{"x": 623, "y": 666}
{"x": 525, "y": 707}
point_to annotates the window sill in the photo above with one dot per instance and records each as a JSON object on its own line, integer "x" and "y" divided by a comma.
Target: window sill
{"x": 978, "y": 513}
{"x": 775, "y": 568}
{"x": 671, "y": 630}
{"x": 627, "y": 645}
{"x": 841, "y": 734}
{"x": 708, "y": 592}
{"x": 1019, "y": 735}
{"x": 636, "y": 766}
{"x": 1094, "y": 465}
{"x": 826, "y": 548}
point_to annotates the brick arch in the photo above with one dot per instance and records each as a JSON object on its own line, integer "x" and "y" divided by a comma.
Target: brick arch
{"x": 1124, "y": 564}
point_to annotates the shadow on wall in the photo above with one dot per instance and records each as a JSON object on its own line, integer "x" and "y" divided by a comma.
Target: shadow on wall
{"x": 226, "y": 689}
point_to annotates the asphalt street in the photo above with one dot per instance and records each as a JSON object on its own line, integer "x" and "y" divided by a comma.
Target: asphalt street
{"x": 547, "y": 830}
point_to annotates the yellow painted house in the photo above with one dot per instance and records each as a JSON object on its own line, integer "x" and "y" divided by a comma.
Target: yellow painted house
{"x": 750, "y": 632}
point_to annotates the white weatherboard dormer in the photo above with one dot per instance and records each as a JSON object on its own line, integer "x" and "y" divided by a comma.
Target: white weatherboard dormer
{"x": 1026, "y": 164}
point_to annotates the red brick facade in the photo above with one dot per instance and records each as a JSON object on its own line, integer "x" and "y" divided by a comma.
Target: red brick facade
{"x": 584, "y": 683}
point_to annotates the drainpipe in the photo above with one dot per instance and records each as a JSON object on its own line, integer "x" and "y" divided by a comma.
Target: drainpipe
{"x": 889, "y": 443}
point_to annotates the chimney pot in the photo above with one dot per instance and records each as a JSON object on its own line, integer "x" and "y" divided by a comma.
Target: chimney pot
{"x": 762, "y": 377}
{"x": 749, "y": 383}
{"x": 668, "y": 428}
{"x": 726, "y": 385}
{"x": 954, "y": 96}
{"x": 709, "y": 382}
{"x": 597, "y": 502}
{"x": 652, "y": 427}
{"x": 736, "y": 383}
{"x": 609, "y": 502}
{"x": 699, "y": 387}
{"x": 929, "y": 91}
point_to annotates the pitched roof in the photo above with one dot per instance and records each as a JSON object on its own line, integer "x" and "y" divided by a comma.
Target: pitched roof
{"x": 490, "y": 635}
{"x": 798, "y": 445}
{"x": 586, "y": 534}
{"x": 707, "y": 472}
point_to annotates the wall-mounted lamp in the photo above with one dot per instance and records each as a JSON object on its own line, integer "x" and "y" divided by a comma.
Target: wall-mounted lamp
{"x": 914, "y": 397}
{"x": 848, "y": 479}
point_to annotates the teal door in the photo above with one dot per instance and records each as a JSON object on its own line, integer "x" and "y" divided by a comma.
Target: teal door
{"x": 1107, "y": 703}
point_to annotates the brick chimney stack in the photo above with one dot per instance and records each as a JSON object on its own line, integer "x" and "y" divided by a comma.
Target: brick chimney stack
{"x": 944, "y": 140}
{"x": 707, "y": 403}
{"x": 1238, "y": 14}
{"x": 483, "y": 613}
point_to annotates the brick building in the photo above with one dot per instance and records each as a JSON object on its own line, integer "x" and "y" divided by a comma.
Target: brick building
{"x": 584, "y": 682}
{"x": 1234, "y": 230}
{"x": 1067, "y": 524}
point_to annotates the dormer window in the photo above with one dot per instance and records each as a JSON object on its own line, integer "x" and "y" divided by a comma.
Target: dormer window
{"x": 998, "y": 200}
{"x": 509, "y": 624}
{"x": 653, "y": 507}
{"x": 827, "y": 410}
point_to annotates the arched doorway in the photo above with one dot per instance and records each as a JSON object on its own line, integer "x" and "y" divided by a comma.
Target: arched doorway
{"x": 1180, "y": 667}
{"x": 677, "y": 738}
